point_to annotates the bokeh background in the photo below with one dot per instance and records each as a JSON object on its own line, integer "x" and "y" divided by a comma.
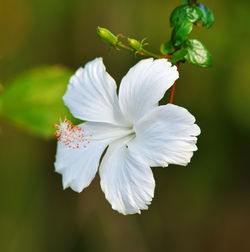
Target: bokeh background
{"x": 203, "y": 207}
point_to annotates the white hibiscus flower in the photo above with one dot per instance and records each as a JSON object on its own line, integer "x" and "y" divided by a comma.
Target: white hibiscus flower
{"x": 139, "y": 133}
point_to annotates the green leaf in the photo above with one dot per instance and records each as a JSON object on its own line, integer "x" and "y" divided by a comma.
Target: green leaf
{"x": 197, "y": 53}
{"x": 181, "y": 32}
{"x": 33, "y": 101}
{"x": 184, "y": 1}
{"x": 207, "y": 16}
{"x": 166, "y": 48}
{"x": 185, "y": 13}
{"x": 178, "y": 55}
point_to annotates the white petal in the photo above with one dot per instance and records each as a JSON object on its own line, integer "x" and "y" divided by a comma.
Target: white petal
{"x": 144, "y": 85}
{"x": 126, "y": 180}
{"x": 166, "y": 135}
{"x": 78, "y": 166}
{"x": 91, "y": 94}
{"x": 100, "y": 131}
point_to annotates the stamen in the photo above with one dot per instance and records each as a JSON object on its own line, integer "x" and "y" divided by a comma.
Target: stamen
{"x": 71, "y": 135}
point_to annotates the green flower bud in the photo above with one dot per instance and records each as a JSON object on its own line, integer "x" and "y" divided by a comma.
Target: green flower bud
{"x": 107, "y": 36}
{"x": 135, "y": 44}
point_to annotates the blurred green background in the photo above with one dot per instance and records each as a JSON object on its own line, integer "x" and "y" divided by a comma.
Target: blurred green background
{"x": 203, "y": 207}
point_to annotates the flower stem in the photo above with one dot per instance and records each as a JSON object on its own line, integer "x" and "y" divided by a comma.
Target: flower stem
{"x": 165, "y": 56}
{"x": 142, "y": 52}
{"x": 150, "y": 54}
{"x": 121, "y": 45}
{"x": 173, "y": 88}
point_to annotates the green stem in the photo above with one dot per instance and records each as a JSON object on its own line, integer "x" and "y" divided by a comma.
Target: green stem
{"x": 141, "y": 52}
{"x": 150, "y": 54}
{"x": 121, "y": 45}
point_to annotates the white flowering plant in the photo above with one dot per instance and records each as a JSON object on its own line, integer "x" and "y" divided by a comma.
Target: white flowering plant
{"x": 125, "y": 134}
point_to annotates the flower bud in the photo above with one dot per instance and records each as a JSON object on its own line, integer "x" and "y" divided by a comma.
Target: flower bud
{"x": 135, "y": 44}
{"x": 107, "y": 36}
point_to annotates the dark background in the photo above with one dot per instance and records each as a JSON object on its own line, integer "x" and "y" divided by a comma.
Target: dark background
{"x": 203, "y": 207}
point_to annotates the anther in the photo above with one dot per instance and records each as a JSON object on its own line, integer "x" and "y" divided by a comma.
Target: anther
{"x": 70, "y": 135}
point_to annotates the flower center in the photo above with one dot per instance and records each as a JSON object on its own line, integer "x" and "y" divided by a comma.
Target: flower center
{"x": 71, "y": 135}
